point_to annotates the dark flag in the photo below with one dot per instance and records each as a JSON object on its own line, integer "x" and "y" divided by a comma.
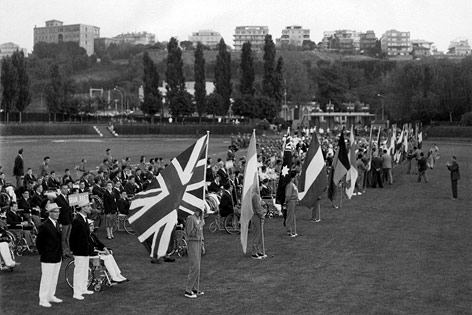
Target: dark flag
{"x": 342, "y": 164}
{"x": 284, "y": 176}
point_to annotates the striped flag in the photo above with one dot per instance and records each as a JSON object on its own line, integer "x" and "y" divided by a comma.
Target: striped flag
{"x": 369, "y": 150}
{"x": 176, "y": 192}
{"x": 352, "y": 174}
{"x": 313, "y": 178}
{"x": 251, "y": 182}
{"x": 342, "y": 164}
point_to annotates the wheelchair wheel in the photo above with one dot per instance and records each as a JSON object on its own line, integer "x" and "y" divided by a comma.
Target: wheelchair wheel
{"x": 182, "y": 248}
{"x": 213, "y": 227}
{"x": 232, "y": 224}
{"x": 5, "y": 198}
{"x": 97, "y": 287}
{"x": 127, "y": 226}
{"x": 69, "y": 274}
{"x": 20, "y": 247}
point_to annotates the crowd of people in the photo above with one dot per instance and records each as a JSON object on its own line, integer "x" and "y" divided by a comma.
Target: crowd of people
{"x": 39, "y": 203}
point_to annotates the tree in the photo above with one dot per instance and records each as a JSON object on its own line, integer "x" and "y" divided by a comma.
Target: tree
{"x": 214, "y": 104}
{"x": 186, "y": 45}
{"x": 247, "y": 70}
{"x": 9, "y": 80}
{"x": 269, "y": 64}
{"x": 23, "y": 82}
{"x": 199, "y": 73}
{"x": 246, "y": 106}
{"x": 59, "y": 92}
{"x": 177, "y": 96}
{"x": 278, "y": 83}
{"x": 152, "y": 102}
{"x": 223, "y": 85}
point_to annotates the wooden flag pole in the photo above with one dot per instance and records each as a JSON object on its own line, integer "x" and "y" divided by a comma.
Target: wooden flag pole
{"x": 263, "y": 242}
{"x": 342, "y": 193}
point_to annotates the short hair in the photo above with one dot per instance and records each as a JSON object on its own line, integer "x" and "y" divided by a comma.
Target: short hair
{"x": 107, "y": 150}
{"x": 46, "y": 158}
{"x": 65, "y": 184}
{"x": 293, "y": 173}
{"x": 66, "y": 170}
{"x": 227, "y": 185}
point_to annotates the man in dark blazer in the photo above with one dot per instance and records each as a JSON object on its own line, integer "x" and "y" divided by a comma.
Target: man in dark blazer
{"x": 226, "y": 206}
{"x": 455, "y": 175}
{"x": 19, "y": 168}
{"x": 79, "y": 244}
{"x": 65, "y": 219}
{"x": 49, "y": 246}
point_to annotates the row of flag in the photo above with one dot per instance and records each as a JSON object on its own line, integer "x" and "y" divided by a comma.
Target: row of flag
{"x": 179, "y": 190}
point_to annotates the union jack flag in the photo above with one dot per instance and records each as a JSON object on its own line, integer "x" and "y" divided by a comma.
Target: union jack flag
{"x": 175, "y": 193}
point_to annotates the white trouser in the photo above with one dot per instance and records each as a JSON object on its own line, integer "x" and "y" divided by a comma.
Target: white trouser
{"x": 6, "y": 255}
{"x": 80, "y": 274}
{"x": 111, "y": 266}
{"x": 49, "y": 276}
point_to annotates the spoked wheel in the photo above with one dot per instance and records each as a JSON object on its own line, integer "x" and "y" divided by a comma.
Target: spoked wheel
{"x": 213, "y": 227}
{"x": 182, "y": 248}
{"x": 232, "y": 223}
{"x": 69, "y": 274}
{"x": 127, "y": 226}
{"x": 21, "y": 247}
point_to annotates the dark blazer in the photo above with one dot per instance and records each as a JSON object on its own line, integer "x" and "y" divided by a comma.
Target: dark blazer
{"x": 65, "y": 216}
{"x": 226, "y": 204}
{"x": 29, "y": 178}
{"x": 454, "y": 168}
{"x": 49, "y": 243}
{"x": 94, "y": 244}
{"x": 79, "y": 237}
{"x": 19, "y": 169}
{"x": 109, "y": 202}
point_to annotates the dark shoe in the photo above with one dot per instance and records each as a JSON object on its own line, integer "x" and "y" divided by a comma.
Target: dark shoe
{"x": 168, "y": 259}
{"x": 155, "y": 261}
{"x": 190, "y": 295}
{"x": 261, "y": 255}
{"x": 255, "y": 256}
{"x": 198, "y": 292}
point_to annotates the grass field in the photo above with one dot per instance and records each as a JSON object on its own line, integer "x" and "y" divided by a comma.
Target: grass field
{"x": 404, "y": 249}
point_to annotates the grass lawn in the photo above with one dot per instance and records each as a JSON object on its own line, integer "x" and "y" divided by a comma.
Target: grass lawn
{"x": 404, "y": 249}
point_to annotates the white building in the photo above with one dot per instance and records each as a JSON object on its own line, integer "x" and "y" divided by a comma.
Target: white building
{"x": 459, "y": 47}
{"x": 253, "y": 34}
{"x": 7, "y": 49}
{"x": 206, "y": 37}
{"x": 395, "y": 43}
{"x": 293, "y": 35}
{"x": 140, "y": 38}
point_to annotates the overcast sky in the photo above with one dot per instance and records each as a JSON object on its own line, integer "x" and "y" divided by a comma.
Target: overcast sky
{"x": 438, "y": 21}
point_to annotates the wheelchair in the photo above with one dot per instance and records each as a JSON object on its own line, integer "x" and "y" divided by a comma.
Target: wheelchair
{"x": 98, "y": 276}
{"x": 231, "y": 223}
{"x": 19, "y": 241}
{"x": 179, "y": 245}
{"x": 11, "y": 247}
{"x": 122, "y": 224}
{"x": 97, "y": 210}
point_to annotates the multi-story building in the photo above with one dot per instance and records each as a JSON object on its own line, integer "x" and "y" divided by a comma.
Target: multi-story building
{"x": 7, "y": 49}
{"x": 253, "y": 34}
{"x": 341, "y": 40}
{"x": 56, "y": 32}
{"x": 459, "y": 47}
{"x": 206, "y": 37}
{"x": 367, "y": 40}
{"x": 420, "y": 47}
{"x": 395, "y": 43}
{"x": 293, "y": 35}
{"x": 140, "y": 38}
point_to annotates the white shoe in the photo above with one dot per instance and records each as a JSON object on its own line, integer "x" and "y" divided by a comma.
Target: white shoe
{"x": 78, "y": 297}
{"x": 121, "y": 278}
{"x": 45, "y": 304}
{"x": 87, "y": 292}
{"x": 55, "y": 300}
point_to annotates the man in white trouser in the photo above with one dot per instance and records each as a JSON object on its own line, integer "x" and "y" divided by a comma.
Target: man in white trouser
{"x": 49, "y": 246}
{"x": 79, "y": 245}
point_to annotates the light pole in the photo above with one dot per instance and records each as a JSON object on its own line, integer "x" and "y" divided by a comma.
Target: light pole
{"x": 383, "y": 105}
{"x": 117, "y": 88}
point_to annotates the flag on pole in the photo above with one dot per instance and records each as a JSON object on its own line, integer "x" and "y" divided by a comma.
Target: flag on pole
{"x": 250, "y": 183}
{"x": 284, "y": 176}
{"x": 313, "y": 178}
{"x": 369, "y": 150}
{"x": 176, "y": 192}
{"x": 352, "y": 174}
{"x": 331, "y": 185}
{"x": 342, "y": 164}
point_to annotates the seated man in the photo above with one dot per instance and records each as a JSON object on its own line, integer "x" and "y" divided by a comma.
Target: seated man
{"x": 18, "y": 225}
{"x": 226, "y": 204}
{"x": 97, "y": 248}
{"x": 5, "y": 253}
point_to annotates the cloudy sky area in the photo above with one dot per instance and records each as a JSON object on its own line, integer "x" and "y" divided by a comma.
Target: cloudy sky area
{"x": 433, "y": 20}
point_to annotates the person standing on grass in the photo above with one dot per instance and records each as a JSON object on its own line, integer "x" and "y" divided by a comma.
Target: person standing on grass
{"x": 49, "y": 245}
{"x": 65, "y": 218}
{"x": 291, "y": 200}
{"x": 455, "y": 175}
{"x": 110, "y": 208}
{"x": 257, "y": 221}
{"x": 422, "y": 167}
{"x": 80, "y": 246}
{"x": 19, "y": 168}
{"x": 194, "y": 236}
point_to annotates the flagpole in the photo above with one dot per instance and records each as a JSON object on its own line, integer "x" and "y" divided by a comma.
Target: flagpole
{"x": 263, "y": 242}
{"x": 203, "y": 213}
{"x": 342, "y": 193}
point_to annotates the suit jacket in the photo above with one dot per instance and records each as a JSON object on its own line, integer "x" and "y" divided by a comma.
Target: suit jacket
{"x": 29, "y": 178}
{"x": 18, "y": 169}
{"x": 226, "y": 204}
{"x": 65, "y": 216}
{"x": 109, "y": 202}
{"x": 49, "y": 243}
{"x": 454, "y": 168}
{"x": 79, "y": 237}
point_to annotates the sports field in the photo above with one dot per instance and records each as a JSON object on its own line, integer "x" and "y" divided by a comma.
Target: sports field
{"x": 404, "y": 249}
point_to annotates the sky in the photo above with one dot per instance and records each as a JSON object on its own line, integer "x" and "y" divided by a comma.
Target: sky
{"x": 437, "y": 21}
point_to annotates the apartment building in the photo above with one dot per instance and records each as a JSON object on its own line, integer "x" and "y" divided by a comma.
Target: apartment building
{"x": 367, "y": 40}
{"x": 342, "y": 40}
{"x": 139, "y": 38}
{"x": 420, "y": 47}
{"x": 206, "y": 37}
{"x": 253, "y": 34}
{"x": 293, "y": 35}
{"x": 395, "y": 43}
{"x": 56, "y": 32}
{"x": 459, "y": 47}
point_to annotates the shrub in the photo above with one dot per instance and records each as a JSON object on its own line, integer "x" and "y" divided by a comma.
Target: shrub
{"x": 466, "y": 119}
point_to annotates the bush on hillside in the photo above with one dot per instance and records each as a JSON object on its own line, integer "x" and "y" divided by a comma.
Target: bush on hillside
{"x": 466, "y": 119}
